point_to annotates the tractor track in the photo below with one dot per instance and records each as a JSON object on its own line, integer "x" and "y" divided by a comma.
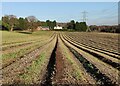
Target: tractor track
{"x": 19, "y": 66}
{"x": 25, "y": 58}
{"x": 107, "y": 52}
{"x": 47, "y": 78}
{"x": 100, "y": 77}
{"x": 85, "y": 79}
{"x": 26, "y": 54}
{"x": 5, "y": 47}
{"x": 100, "y": 57}
{"x": 54, "y": 68}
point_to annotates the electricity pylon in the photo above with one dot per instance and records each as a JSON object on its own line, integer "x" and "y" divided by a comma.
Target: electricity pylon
{"x": 84, "y": 19}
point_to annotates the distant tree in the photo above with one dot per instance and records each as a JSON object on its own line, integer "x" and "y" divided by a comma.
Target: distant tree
{"x": 21, "y": 23}
{"x": 32, "y": 19}
{"x": 54, "y": 23}
{"x": 10, "y": 22}
{"x": 51, "y": 24}
{"x": 5, "y": 19}
{"x": 32, "y": 22}
{"x": 26, "y": 27}
{"x": 32, "y": 26}
{"x": 83, "y": 26}
{"x": 13, "y": 22}
{"x": 42, "y": 23}
{"x": 5, "y": 23}
{"x": 71, "y": 25}
{"x": 38, "y": 23}
{"x": 77, "y": 26}
{"x": 5, "y": 26}
{"x": 80, "y": 26}
{"x": 48, "y": 23}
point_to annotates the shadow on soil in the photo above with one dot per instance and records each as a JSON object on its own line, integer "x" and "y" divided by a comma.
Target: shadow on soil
{"x": 50, "y": 68}
{"x": 25, "y": 32}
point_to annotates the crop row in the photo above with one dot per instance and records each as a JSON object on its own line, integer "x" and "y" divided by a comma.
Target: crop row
{"x": 106, "y": 70}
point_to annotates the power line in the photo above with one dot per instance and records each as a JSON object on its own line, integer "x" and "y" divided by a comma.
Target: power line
{"x": 110, "y": 13}
{"x": 109, "y": 10}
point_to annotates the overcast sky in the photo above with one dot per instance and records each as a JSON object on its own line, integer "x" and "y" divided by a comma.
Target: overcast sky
{"x": 98, "y": 13}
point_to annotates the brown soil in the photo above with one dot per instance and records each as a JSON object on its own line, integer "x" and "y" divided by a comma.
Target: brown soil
{"x": 18, "y": 67}
{"x": 64, "y": 70}
{"x": 59, "y": 76}
{"x": 13, "y": 49}
{"x": 85, "y": 79}
{"x": 105, "y": 69}
{"x": 10, "y": 61}
{"x": 101, "y": 41}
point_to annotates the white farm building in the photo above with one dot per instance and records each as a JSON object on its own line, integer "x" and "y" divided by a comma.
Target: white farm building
{"x": 58, "y": 27}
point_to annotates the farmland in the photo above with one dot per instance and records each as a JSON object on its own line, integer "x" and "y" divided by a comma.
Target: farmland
{"x": 60, "y": 58}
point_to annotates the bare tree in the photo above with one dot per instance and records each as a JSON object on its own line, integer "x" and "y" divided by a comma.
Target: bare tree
{"x": 32, "y": 19}
{"x": 32, "y": 22}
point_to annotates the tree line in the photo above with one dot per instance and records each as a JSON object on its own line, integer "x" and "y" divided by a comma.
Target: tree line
{"x": 11, "y": 22}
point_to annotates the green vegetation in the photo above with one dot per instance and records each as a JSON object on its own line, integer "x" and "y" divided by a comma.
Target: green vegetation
{"x": 37, "y": 39}
{"x": 78, "y": 26}
{"x": 11, "y": 22}
{"x": 20, "y": 52}
{"x": 13, "y": 37}
{"x": 34, "y": 69}
{"x": 76, "y": 73}
{"x": 51, "y": 24}
{"x": 30, "y": 23}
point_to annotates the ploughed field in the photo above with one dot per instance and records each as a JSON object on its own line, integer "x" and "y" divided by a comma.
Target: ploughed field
{"x": 60, "y": 58}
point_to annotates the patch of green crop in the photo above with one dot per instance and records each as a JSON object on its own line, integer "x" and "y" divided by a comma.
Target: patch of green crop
{"x": 34, "y": 70}
{"x": 14, "y": 54}
{"x": 35, "y": 64}
{"x": 20, "y": 52}
{"x": 76, "y": 73}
